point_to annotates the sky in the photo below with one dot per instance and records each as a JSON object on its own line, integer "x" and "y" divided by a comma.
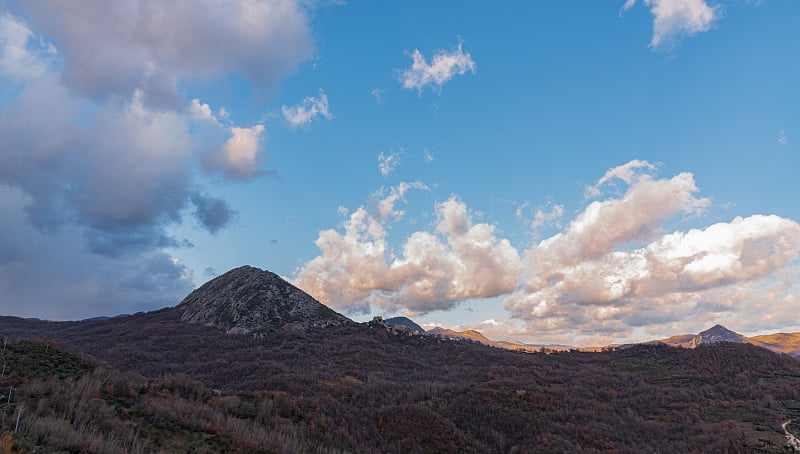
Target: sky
{"x": 549, "y": 172}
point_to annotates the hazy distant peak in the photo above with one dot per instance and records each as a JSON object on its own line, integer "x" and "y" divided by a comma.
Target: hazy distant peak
{"x": 406, "y": 322}
{"x": 247, "y": 299}
{"x": 719, "y": 333}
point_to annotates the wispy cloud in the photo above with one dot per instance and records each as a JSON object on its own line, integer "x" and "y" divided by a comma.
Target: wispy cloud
{"x": 377, "y": 94}
{"x": 444, "y": 66}
{"x": 305, "y": 112}
{"x": 675, "y": 19}
{"x": 387, "y": 163}
{"x": 783, "y": 139}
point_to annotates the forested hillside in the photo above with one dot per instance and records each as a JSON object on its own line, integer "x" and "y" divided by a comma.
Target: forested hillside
{"x": 369, "y": 389}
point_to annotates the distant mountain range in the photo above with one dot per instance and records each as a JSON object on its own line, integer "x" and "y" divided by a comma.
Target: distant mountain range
{"x": 248, "y": 300}
{"x": 788, "y": 343}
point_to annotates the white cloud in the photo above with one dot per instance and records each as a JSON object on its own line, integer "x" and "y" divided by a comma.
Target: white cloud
{"x": 239, "y": 157}
{"x": 387, "y": 163}
{"x": 305, "y": 112}
{"x": 200, "y": 111}
{"x": 675, "y": 19}
{"x": 443, "y": 66}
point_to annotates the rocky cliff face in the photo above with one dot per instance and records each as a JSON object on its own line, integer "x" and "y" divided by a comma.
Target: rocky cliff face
{"x": 249, "y": 300}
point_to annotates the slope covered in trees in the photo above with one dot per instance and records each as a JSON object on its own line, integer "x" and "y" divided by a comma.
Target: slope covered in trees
{"x": 361, "y": 389}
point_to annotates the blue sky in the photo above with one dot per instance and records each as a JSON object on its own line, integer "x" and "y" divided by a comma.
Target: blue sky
{"x": 581, "y": 172}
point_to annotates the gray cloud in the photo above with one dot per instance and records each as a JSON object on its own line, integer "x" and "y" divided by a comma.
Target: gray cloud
{"x": 213, "y": 213}
{"x": 99, "y": 150}
{"x": 53, "y": 275}
{"x": 118, "y": 47}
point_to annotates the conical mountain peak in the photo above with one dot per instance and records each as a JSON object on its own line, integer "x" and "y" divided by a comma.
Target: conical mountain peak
{"x": 247, "y": 300}
{"x": 719, "y": 333}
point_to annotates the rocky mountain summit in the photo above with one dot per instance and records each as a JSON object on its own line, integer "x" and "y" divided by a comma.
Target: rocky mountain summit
{"x": 249, "y": 300}
{"x": 717, "y": 334}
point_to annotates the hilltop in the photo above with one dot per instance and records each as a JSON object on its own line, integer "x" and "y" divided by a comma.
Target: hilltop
{"x": 249, "y": 300}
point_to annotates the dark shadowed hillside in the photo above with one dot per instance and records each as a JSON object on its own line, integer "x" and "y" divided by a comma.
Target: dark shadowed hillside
{"x": 361, "y": 389}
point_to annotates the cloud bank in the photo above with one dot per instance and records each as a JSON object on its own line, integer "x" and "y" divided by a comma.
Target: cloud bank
{"x": 611, "y": 270}
{"x": 101, "y": 153}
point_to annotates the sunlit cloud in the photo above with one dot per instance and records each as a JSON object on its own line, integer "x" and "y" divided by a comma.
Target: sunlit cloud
{"x": 435, "y": 270}
{"x": 611, "y": 271}
{"x": 239, "y": 156}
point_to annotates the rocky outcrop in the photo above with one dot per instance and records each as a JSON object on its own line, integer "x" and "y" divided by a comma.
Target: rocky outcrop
{"x": 249, "y": 300}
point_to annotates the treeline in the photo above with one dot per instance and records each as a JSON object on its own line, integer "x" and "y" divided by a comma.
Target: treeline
{"x": 356, "y": 389}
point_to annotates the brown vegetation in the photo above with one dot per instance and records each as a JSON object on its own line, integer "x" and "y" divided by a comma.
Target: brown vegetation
{"x": 357, "y": 389}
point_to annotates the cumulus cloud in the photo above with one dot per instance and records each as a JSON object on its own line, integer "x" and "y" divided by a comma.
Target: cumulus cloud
{"x": 611, "y": 273}
{"x": 305, "y": 112}
{"x": 444, "y": 66}
{"x": 589, "y": 281}
{"x": 239, "y": 157}
{"x": 114, "y": 48}
{"x": 676, "y": 19}
{"x": 435, "y": 270}
{"x": 387, "y": 163}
